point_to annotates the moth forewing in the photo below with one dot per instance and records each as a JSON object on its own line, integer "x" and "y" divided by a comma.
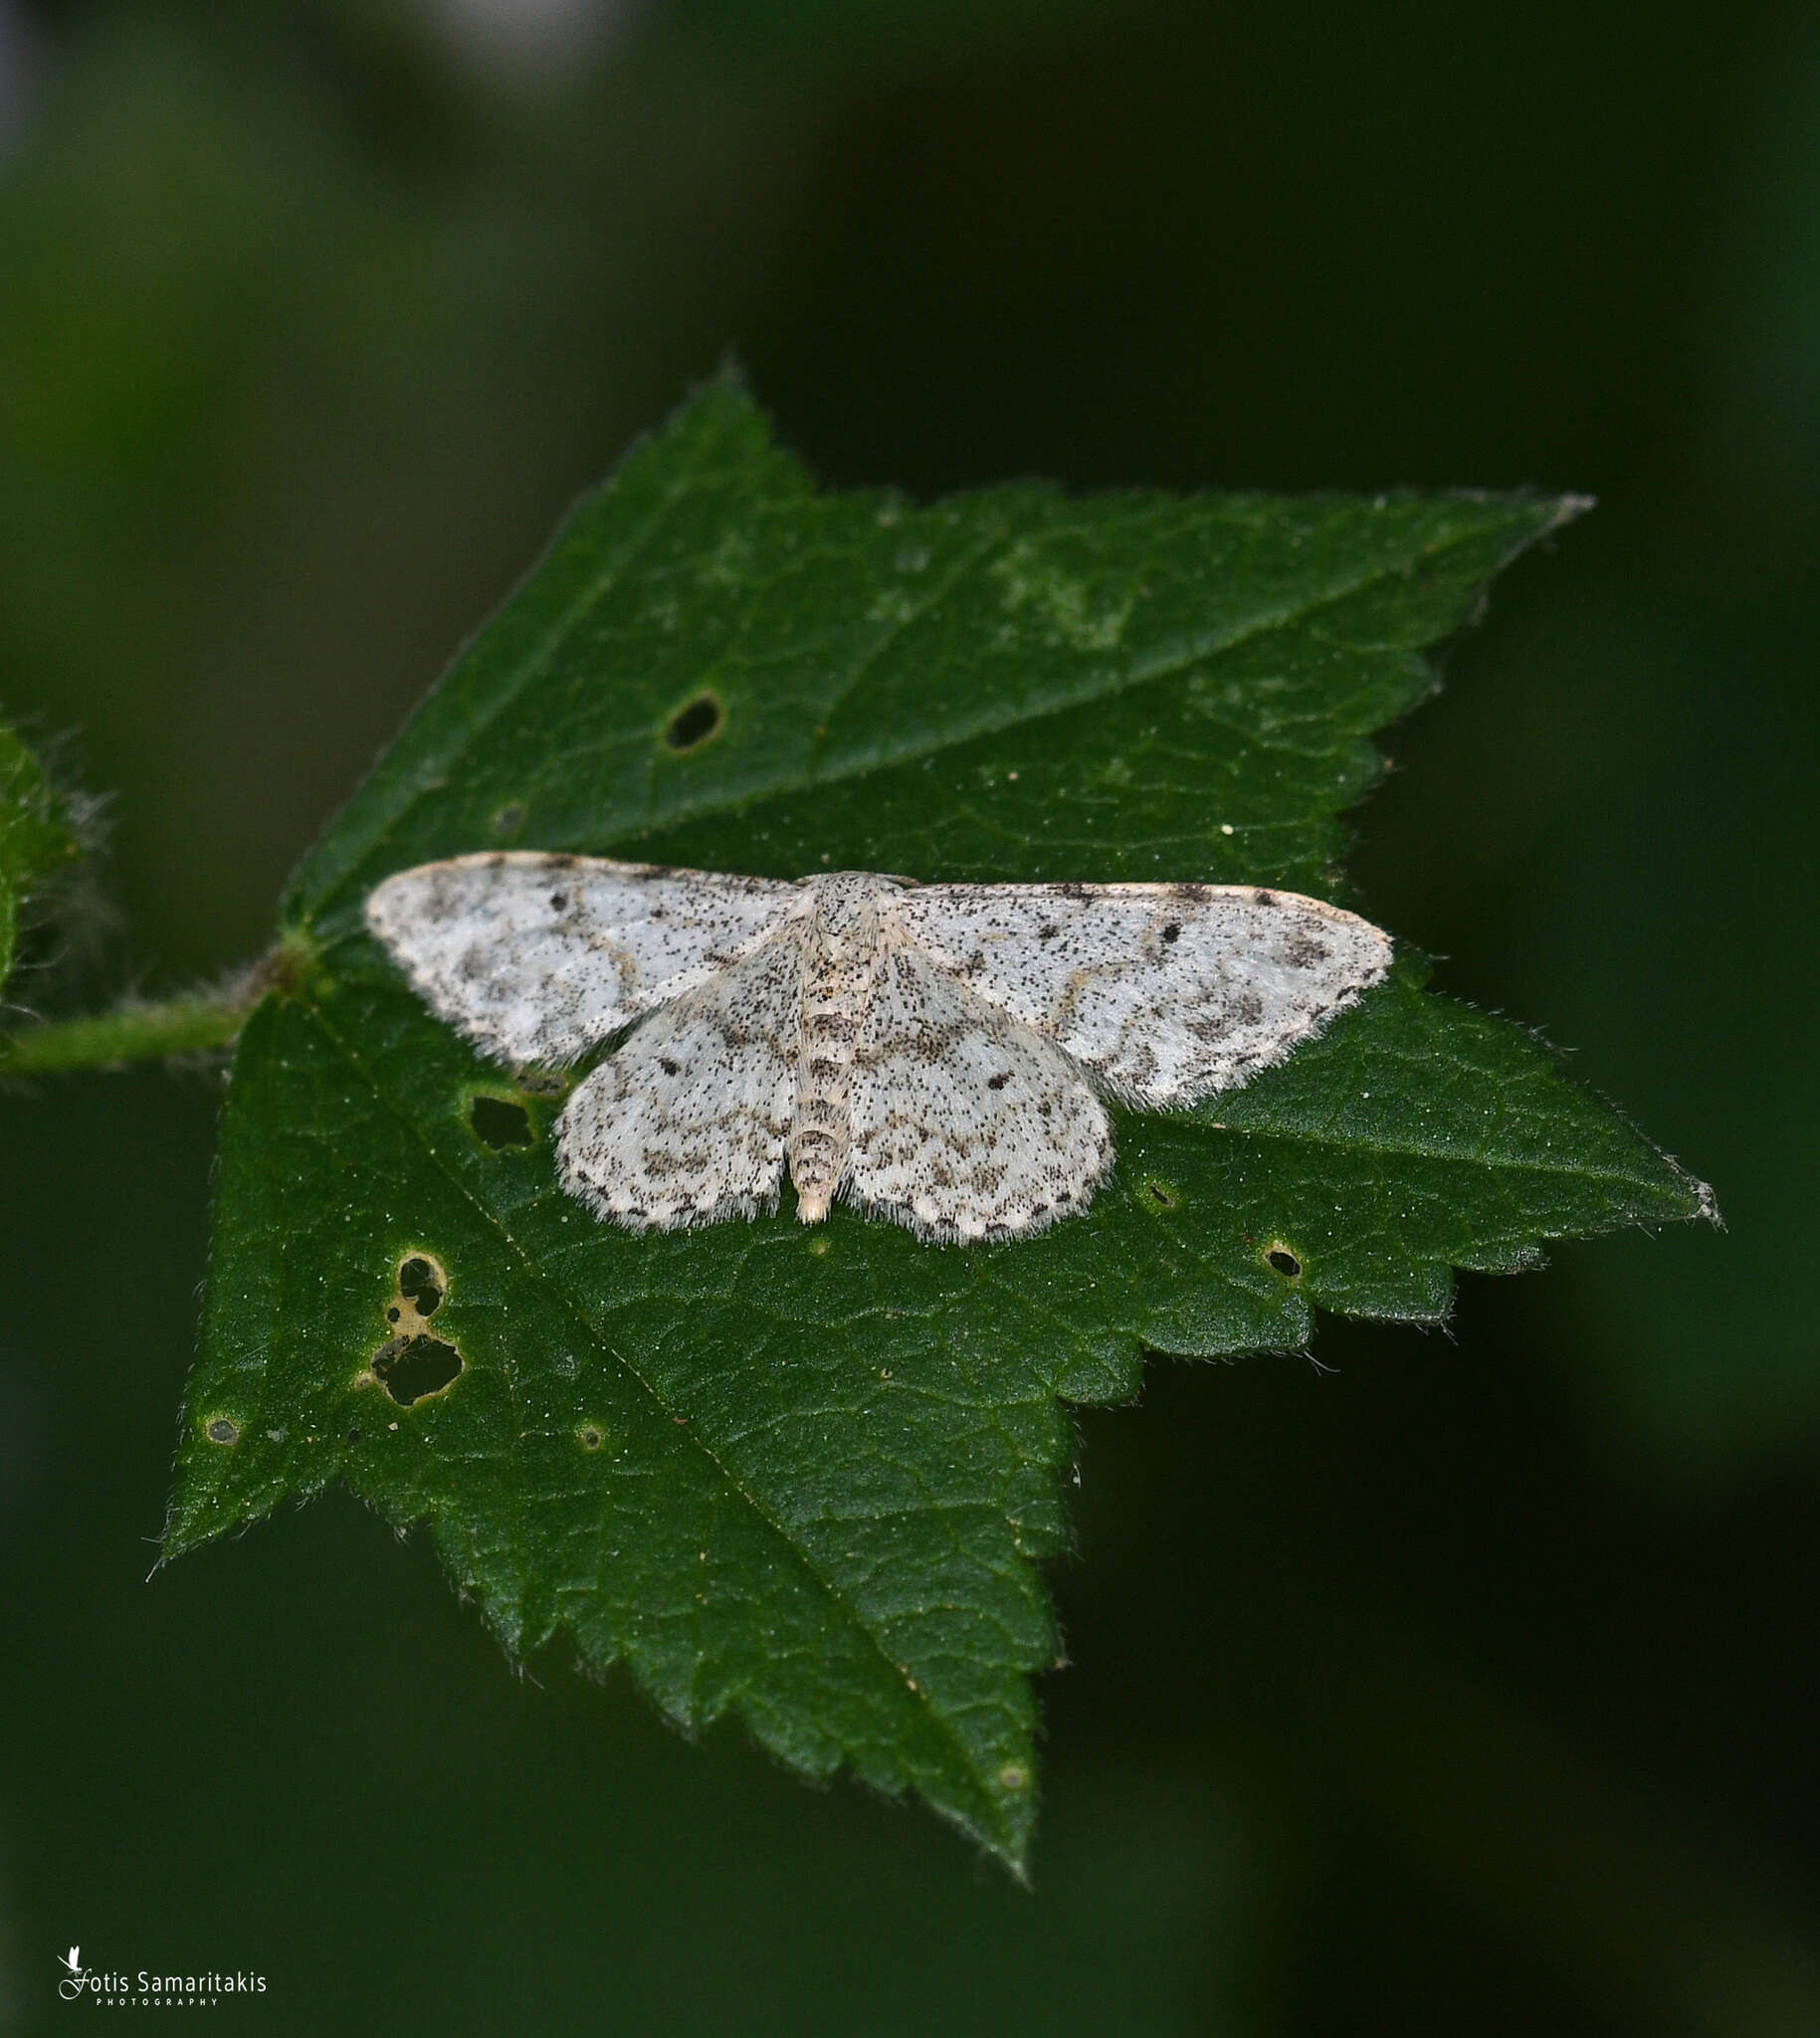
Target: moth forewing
{"x": 931, "y": 1052}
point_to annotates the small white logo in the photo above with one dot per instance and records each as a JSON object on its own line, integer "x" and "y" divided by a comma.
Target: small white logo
{"x": 147, "y": 1990}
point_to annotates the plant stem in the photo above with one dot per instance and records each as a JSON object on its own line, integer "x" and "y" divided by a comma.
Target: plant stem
{"x": 131, "y": 1033}
{"x": 141, "y": 1032}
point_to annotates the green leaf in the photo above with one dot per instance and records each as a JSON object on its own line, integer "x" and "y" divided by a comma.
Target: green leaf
{"x": 804, "y": 1475}
{"x": 37, "y": 841}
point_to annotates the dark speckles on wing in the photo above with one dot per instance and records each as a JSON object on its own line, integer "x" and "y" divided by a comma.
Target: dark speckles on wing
{"x": 966, "y": 1125}
{"x": 686, "y": 1122}
{"x": 954, "y": 1034}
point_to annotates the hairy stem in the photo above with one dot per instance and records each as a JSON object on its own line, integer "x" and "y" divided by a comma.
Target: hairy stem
{"x": 130, "y": 1033}
{"x": 142, "y": 1032}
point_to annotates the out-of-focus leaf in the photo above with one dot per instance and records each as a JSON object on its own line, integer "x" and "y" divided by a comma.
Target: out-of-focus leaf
{"x": 36, "y": 839}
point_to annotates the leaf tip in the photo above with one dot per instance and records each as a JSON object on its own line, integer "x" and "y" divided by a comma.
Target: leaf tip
{"x": 1705, "y": 1203}
{"x": 1010, "y": 1842}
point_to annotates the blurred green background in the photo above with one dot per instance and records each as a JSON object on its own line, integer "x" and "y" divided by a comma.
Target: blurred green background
{"x": 1464, "y": 1682}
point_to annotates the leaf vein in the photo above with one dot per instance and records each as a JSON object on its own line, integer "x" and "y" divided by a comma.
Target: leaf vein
{"x": 841, "y": 1600}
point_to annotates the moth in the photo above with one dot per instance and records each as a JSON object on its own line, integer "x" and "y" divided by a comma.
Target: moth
{"x": 937, "y": 1055}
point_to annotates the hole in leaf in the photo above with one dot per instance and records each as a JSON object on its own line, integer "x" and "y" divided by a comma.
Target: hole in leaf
{"x": 1162, "y": 1195}
{"x": 411, "y": 1368}
{"x": 589, "y": 1437}
{"x": 223, "y": 1429}
{"x": 499, "y": 1123}
{"x": 423, "y": 1283}
{"x": 694, "y": 724}
{"x": 1282, "y": 1261}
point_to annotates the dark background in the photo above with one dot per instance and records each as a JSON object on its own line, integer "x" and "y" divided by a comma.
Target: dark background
{"x": 1462, "y": 1683}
